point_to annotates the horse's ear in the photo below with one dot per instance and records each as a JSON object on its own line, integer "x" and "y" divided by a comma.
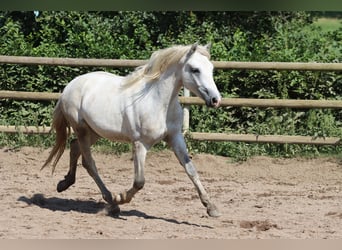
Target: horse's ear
{"x": 192, "y": 49}
{"x": 190, "y": 52}
{"x": 208, "y": 47}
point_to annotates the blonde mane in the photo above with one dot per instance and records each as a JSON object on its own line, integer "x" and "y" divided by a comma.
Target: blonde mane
{"x": 160, "y": 61}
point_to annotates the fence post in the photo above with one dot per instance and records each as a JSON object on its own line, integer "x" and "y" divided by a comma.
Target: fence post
{"x": 186, "y": 112}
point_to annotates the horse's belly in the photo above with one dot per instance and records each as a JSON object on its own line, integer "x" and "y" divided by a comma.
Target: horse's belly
{"x": 150, "y": 135}
{"x": 107, "y": 127}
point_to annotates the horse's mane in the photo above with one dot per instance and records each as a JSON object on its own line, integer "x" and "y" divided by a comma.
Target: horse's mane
{"x": 160, "y": 61}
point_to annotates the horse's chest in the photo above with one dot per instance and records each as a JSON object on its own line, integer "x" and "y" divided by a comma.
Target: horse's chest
{"x": 154, "y": 128}
{"x": 153, "y": 122}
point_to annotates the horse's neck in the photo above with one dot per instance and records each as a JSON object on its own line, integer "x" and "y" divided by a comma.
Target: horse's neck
{"x": 167, "y": 87}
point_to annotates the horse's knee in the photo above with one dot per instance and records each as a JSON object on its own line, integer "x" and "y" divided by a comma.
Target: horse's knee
{"x": 139, "y": 184}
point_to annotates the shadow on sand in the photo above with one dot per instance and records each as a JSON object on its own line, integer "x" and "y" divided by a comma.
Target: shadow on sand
{"x": 93, "y": 207}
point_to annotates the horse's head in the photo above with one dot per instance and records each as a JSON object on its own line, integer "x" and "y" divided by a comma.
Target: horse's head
{"x": 197, "y": 75}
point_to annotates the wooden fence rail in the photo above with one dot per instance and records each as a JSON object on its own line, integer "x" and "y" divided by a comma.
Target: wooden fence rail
{"x": 279, "y": 139}
{"x": 78, "y": 62}
{"x": 218, "y": 137}
{"x": 226, "y": 102}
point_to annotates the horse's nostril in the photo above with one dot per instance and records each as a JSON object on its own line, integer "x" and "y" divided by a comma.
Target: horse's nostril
{"x": 214, "y": 100}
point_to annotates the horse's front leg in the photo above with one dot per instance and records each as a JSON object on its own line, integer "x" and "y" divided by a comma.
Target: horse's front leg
{"x": 179, "y": 147}
{"x": 139, "y": 156}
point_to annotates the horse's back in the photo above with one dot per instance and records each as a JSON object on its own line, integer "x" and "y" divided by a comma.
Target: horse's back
{"x": 89, "y": 93}
{"x": 98, "y": 79}
{"x": 88, "y": 83}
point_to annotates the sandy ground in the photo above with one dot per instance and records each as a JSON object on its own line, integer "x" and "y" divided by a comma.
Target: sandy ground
{"x": 260, "y": 198}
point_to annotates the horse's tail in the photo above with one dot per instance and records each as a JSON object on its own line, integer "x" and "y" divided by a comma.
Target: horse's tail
{"x": 62, "y": 128}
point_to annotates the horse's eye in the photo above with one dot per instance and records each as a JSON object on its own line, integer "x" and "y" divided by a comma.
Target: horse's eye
{"x": 195, "y": 70}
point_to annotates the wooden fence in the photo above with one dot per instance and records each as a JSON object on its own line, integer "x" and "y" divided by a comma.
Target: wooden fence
{"x": 236, "y": 102}
{"x": 117, "y": 63}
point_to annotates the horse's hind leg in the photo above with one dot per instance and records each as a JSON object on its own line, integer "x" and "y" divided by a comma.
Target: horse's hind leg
{"x": 70, "y": 178}
{"x": 85, "y": 141}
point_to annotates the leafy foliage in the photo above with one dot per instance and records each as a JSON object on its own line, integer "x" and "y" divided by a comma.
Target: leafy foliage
{"x": 235, "y": 36}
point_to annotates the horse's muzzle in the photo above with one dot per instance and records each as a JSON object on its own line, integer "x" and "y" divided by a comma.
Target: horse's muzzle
{"x": 211, "y": 99}
{"x": 215, "y": 102}
{"x": 212, "y": 102}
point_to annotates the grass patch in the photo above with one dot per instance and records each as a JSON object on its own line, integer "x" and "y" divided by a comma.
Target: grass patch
{"x": 110, "y": 147}
{"x": 328, "y": 24}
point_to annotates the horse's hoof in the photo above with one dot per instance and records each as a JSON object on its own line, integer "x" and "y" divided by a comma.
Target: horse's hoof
{"x": 213, "y": 211}
{"x": 113, "y": 210}
{"x": 63, "y": 185}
